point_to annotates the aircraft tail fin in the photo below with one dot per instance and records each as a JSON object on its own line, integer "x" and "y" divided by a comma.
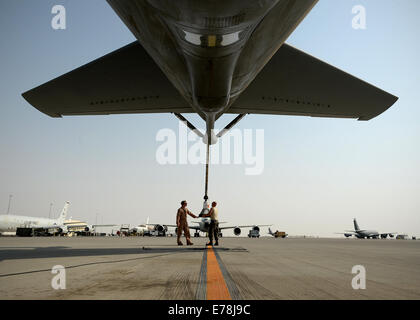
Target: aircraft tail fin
{"x": 147, "y": 221}
{"x": 269, "y": 231}
{"x": 356, "y": 226}
{"x": 63, "y": 213}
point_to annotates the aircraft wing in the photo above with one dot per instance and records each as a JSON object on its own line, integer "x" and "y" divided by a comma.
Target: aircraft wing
{"x": 105, "y": 225}
{"x": 162, "y": 224}
{"x": 295, "y": 83}
{"x": 124, "y": 81}
{"x": 220, "y": 222}
{"x": 192, "y": 227}
{"x": 175, "y": 226}
{"x": 254, "y": 225}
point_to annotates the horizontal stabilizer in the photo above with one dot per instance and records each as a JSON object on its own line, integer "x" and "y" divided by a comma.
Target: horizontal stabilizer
{"x": 124, "y": 81}
{"x": 295, "y": 83}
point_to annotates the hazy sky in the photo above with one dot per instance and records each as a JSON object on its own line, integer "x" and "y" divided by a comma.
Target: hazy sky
{"x": 319, "y": 173}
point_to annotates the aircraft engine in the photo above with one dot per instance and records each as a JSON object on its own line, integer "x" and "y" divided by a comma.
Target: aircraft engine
{"x": 237, "y": 231}
{"x": 24, "y": 232}
{"x": 391, "y": 235}
{"x": 347, "y": 235}
{"x": 384, "y": 236}
{"x": 159, "y": 228}
{"x": 256, "y": 228}
{"x": 62, "y": 230}
{"x": 87, "y": 229}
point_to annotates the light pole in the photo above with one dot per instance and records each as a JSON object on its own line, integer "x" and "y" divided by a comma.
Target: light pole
{"x": 10, "y": 200}
{"x": 49, "y": 214}
{"x": 96, "y": 222}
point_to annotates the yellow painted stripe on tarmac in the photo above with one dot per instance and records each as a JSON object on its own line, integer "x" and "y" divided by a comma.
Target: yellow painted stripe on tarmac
{"x": 216, "y": 285}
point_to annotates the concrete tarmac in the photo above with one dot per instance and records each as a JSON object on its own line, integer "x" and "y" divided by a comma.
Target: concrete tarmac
{"x": 156, "y": 268}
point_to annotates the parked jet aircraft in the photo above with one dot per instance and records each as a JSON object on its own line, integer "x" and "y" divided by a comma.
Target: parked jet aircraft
{"x": 362, "y": 234}
{"x": 146, "y": 228}
{"x": 24, "y": 225}
{"x": 79, "y": 226}
{"x": 204, "y": 223}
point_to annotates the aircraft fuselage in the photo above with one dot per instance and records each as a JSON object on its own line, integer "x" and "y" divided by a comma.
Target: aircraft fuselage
{"x": 12, "y": 222}
{"x": 367, "y": 234}
{"x": 204, "y": 224}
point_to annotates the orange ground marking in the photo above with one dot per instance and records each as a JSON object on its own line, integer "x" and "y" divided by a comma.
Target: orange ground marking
{"x": 216, "y": 285}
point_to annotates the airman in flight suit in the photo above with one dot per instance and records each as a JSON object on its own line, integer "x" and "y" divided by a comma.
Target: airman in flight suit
{"x": 182, "y": 224}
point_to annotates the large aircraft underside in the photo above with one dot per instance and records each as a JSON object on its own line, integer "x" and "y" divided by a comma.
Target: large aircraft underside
{"x": 210, "y": 57}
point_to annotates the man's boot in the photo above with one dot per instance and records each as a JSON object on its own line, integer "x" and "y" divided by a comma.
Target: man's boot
{"x": 189, "y": 243}
{"x": 216, "y": 243}
{"x": 210, "y": 243}
{"x": 178, "y": 240}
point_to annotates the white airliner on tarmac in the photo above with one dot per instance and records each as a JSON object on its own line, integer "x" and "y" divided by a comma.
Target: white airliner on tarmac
{"x": 75, "y": 226}
{"x": 24, "y": 226}
{"x": 141, "y": 229}
{"x": 203, "y": 225}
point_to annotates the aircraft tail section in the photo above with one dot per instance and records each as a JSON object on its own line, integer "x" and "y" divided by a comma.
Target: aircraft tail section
{"x": 63, "y": 213}
{"x": 122, "y": 82}
{"x": 295, "y": 83}
{"x": 356, "y": 226}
